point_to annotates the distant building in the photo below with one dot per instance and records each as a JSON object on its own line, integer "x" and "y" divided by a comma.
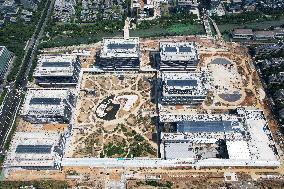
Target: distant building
{"x": 8, "y": 6}
{"x": 183, "y": 88}
{"x": 264, "y": 35}
{"x": 30, "y": 4}
{"x": 281, "y": 113}
{"x": 26, "y": 15}
{"x": 271, "y": 63}
{"x": 178, "y": 56}
{"x": 35, "y": 150}
{"x": 48, "y": 105}
{"x": 268, "y": 49}
{"x": 2, "y": 24}
{"x": 64, "y": 9}
{"x": 277, "y": 78}
{"x": 242, "y": 34}
{"x": 5, "y": 60}
{"x": 57, "y": 70}
{"x": 279, "y": 33}
{"x": 119, "y": 54}
{"x": 279, "y": 95}
{"x": 190, "y": 3}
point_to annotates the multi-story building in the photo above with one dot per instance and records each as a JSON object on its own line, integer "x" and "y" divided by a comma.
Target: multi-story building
{"x": 279, "y": 33}
{"x": 265, "y": 50}
{"x": 183, "y": 88}
{"x": 178, "y": 56}
{"x": 48, "y": 105}
{"x": 30, "y": 4}
{"x": 5, "y": 60}
{"x": 35, "y": 150}
{"x": 57, "y": 70}
{"x": 264, "y": 35}
{"x": 242, "y": 34}
{"x": 119, "y": 54}
{"x": 64, "y": 10}
{"x": 220, "y": 139}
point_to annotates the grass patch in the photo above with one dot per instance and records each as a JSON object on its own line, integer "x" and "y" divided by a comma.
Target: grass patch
{"x": 47, "y": 184}
{"x": 176, "y": 29}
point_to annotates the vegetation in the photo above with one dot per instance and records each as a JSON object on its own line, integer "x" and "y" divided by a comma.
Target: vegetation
{"x": 253, "y": 20}
{"x": 15, "y": 39}
{"x": 112, "y": 149}
{"x": 245, "y": 17}
{"x": 154, "y": 183}
{"x": 85, "y": 33}
{"x": 2, "y": 96}
{"x": 45, "y": 184}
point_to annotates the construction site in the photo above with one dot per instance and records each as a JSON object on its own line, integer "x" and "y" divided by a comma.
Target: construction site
{"x": 204, "y": 118}
{"x": 114, "y": 116}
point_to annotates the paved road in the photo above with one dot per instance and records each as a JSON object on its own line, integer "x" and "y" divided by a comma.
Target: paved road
{"x": 14, "y": 96}
{"x": 9, "y": 109}
{"x": 148, "y": 162}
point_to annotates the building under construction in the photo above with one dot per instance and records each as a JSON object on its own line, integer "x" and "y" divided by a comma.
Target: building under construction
{"x": 35, "y": 150}
{"x": 119, "y": 54}
{"x": 57, "y": 70}
{"x": 178, "y": 56}
{"x": 183, "y": 88}
{"x": 241, "y": 138}
{"x": 48, "y": 105}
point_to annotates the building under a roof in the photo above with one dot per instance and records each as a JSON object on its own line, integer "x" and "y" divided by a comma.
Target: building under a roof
{"x": 48, "y": 105}
{"x": 183, "y": 88}
{"x": 178, "y": 56}
{"x": 264, "y": 35}
{"x": 35, "y": 150}
{"x": 118, "y": 54}
{"x": 57, "y": 70}
{"x": 240, "y": 139}
{"x": 242, "y": 34}
{"x": 5, "y": 60}
{"x": 279, "y": 33}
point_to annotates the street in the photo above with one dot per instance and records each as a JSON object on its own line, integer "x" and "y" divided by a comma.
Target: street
{"x": 12, "y": 102}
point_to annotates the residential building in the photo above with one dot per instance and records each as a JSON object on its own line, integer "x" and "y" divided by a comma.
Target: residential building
{"x": 6, "y": 58}
{"x": 242, "y": 34}
{"x": 264, "y": 35}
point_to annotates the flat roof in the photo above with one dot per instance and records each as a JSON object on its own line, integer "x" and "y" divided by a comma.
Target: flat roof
{"x": 264, "y": 33}
{"x": 238, "y": 150}
{"x": 32, "y": 149}
{"x": 204, "y": 126}
{"x": 185, "y": 83}
{"x": 37, "y": 149}
{"x": 243, "y": 31}
{"x": 45, "y": 101}
{"x": 55, "y": 65}
{"x": 181, "y": 83}
{"x": 180, "y": 51}
{"x": 231, "y": 128}
{"x": 120, "y": 48}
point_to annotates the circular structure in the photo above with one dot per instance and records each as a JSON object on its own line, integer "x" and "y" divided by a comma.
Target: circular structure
{"x": 223, "y": 61}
